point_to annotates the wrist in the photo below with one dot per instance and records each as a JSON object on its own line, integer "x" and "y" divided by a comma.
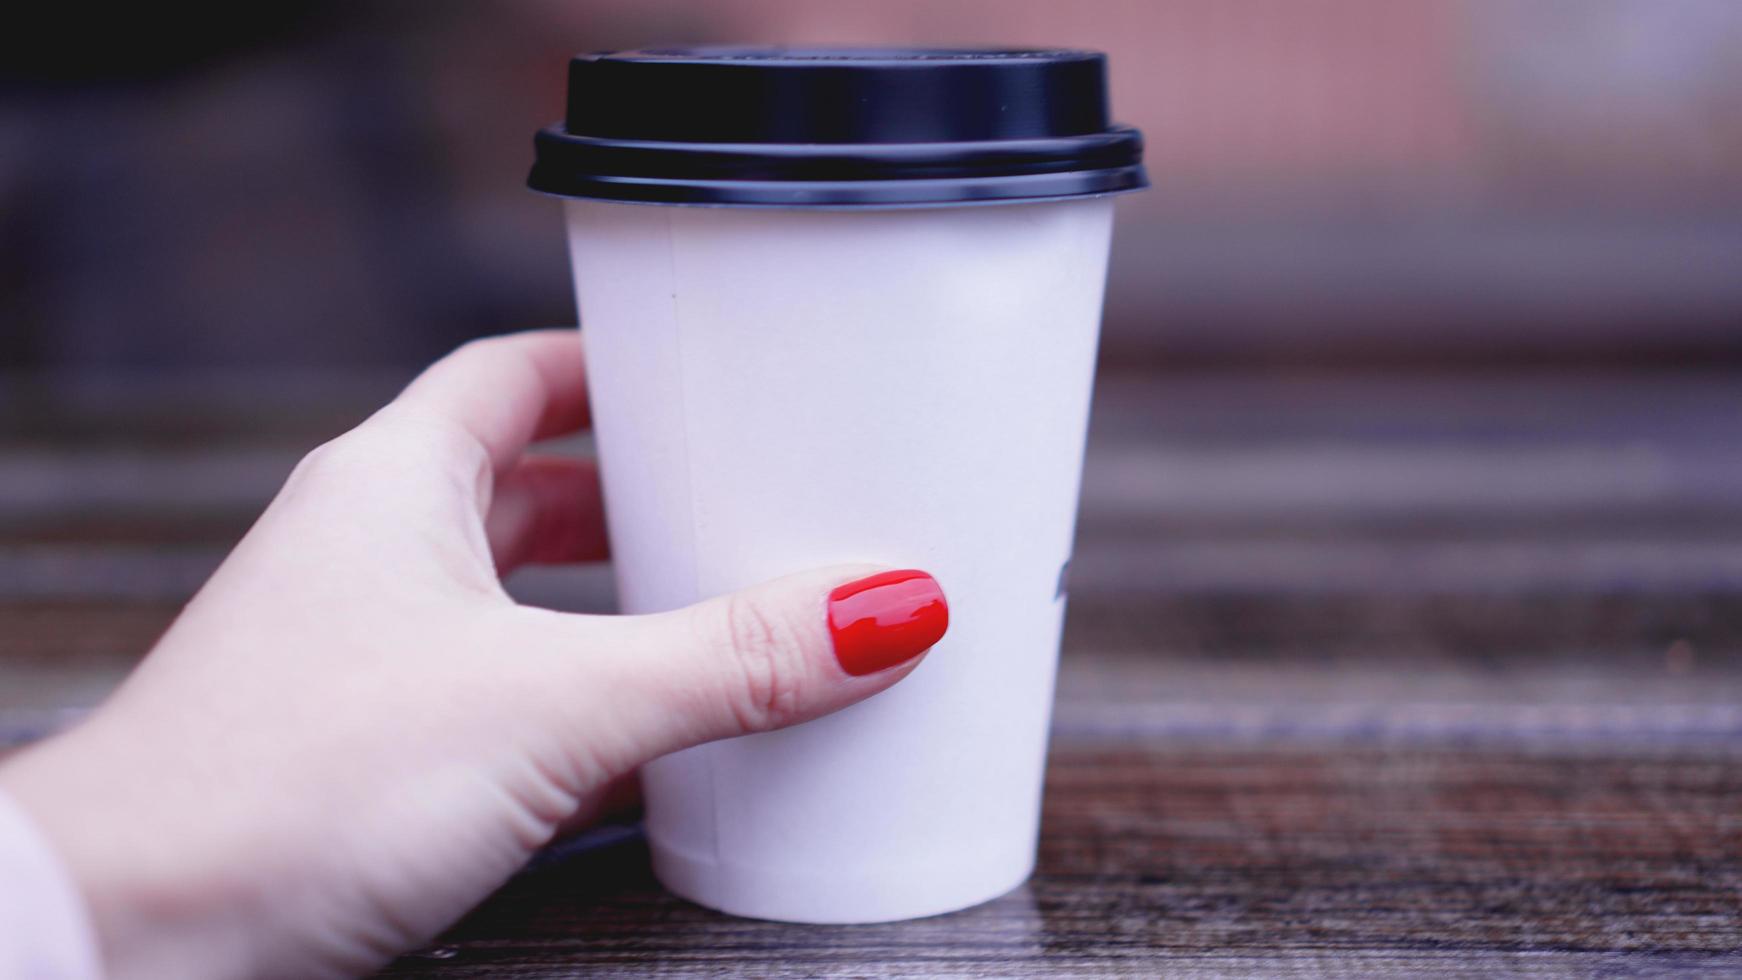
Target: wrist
{"x": 155, "y": 903}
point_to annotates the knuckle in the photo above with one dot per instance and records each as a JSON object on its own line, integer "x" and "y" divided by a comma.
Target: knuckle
{"x": 391, "y": 445}
{"x": 474, "y": 347}
{"x": 416, "y": 437}
{"x": 335, "y": 470}
{"x": 433, "y": 439}
{"x": 770, "y": 665}
{"x": 482, "y": 350}
{"x": 333, "y": 455}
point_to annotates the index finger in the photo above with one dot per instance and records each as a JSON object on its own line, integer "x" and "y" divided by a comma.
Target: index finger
{"x": 507, "y": 391}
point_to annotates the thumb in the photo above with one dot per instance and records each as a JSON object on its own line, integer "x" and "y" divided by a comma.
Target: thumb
{"x": 766, "y": 657}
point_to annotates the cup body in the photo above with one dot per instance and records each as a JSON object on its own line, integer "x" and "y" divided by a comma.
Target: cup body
{"x": 776, "y": 389}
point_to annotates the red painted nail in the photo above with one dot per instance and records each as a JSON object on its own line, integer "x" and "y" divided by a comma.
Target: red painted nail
{"x": 886, "y": 619}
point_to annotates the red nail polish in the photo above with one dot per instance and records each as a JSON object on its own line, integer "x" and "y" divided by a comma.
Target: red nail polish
{"x": 886, "y": 619}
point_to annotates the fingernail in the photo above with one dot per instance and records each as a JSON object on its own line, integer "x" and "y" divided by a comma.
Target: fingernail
{"x": 886, "y": 619}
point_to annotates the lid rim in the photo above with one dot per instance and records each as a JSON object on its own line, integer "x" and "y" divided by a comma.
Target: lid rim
{"x": 875, "y": 58}
{"x": 560, "y": 152}
{"x": 836, "y": 127}
{"x": 853, "y": 194}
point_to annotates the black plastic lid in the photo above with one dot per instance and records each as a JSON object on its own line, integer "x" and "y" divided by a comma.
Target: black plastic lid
{"x": 826, "y": 127}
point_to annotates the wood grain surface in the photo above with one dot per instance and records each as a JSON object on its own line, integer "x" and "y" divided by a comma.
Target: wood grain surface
{"x": 1362, "y": 676}
{"x": 1209, "y": 860}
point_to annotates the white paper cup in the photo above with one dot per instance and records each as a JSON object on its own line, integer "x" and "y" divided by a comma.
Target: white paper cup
{"x": 775, "y": 389}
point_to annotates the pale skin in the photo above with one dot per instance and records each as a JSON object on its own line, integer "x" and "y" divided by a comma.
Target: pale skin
{"x": 352, "y": 734}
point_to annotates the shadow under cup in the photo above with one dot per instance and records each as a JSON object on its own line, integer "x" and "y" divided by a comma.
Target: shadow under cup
{"x": 810, "y": 342}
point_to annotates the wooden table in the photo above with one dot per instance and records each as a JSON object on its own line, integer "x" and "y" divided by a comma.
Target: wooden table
{"x": 1362, "y": 676}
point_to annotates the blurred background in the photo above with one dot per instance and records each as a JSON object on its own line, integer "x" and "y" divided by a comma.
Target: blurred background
{"x": 1425, "y": 343}
{"x": 339, "y": 185}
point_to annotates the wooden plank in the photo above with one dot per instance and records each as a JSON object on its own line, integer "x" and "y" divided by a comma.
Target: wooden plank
{"x": 1202, "y": 860}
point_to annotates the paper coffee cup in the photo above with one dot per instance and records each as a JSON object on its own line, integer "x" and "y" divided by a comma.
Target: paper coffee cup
{"x": 838, "y": 362}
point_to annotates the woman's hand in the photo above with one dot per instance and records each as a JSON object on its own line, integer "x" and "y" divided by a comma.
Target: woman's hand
{"x": 352, "y": 734}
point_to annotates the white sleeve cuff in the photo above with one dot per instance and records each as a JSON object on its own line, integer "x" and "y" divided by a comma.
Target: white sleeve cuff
{"x": 45, "y": 929}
